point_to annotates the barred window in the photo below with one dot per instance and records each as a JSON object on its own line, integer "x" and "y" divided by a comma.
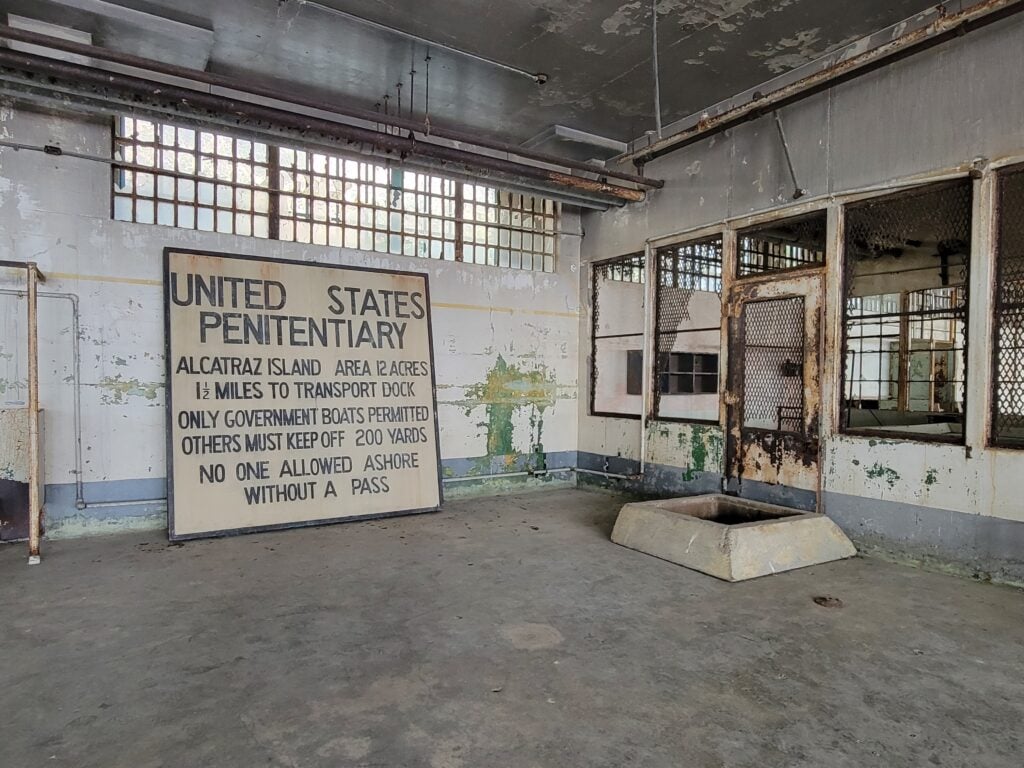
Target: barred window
{"x": 1008, "y": 354}
{"x": 327, "y": 200}
{"x": 200, "y": 179}
{"x": 507, "y": 229}
{"x": 688, "y": 311}
{"x": 694, "y": 267}
{"x": 786, "y": 244}
{"x": 907, "y": 258}
{"x": 617, "y": 336}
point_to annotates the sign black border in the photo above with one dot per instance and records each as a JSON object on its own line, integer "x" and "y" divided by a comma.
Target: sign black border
{"x": 169, "y": 405}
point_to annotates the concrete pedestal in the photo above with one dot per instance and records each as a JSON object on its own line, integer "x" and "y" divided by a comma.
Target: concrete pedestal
{"x": 730, "y": 538}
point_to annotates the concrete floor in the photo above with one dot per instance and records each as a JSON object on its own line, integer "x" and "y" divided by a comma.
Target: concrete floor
{"x": 502, "y": 632}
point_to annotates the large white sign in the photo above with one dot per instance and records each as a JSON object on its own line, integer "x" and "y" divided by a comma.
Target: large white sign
{"x": 297, "y": 394}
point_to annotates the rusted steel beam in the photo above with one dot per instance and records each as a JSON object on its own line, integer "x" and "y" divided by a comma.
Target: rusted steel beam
{"x": 262, "y": 91}
{"x": 400, "y": 146}
{"x": 838, "y": 69}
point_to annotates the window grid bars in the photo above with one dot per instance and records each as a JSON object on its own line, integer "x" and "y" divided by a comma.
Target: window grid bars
{"x": 1007, "y": 416}
{"x": 906, "y": 351}
{"x": 199, "y": 179}
{"x": 624, "y": 269}
{"x": 683, "y": 270}
{"x": 782, "y": 245}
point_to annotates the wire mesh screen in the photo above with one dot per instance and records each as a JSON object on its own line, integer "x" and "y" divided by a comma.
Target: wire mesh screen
{"x": 1008, "y": 396}
{"x": 688, "y": 311}
{"x": 782, "y": 245}
{"x": 907, "y": 261}
{"x": 617, "y": 336}
{"x": 773, "y": 364}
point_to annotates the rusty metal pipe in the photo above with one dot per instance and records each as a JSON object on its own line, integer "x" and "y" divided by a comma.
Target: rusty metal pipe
{"x": 76, "y": 376}
{"x": 64, "y": 97}
{"x": 650, "y": 350}
{"x": 945, "y": 26}
{"x": 34, "y": 480}
{"x": 255, "y": 89}
{"x": 611, "y": 475}
{"x": 502, "y": 475}
{"x": 403, "y": 146}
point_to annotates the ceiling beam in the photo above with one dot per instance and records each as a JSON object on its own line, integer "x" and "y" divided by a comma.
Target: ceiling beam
{"x": 930, "y": 28}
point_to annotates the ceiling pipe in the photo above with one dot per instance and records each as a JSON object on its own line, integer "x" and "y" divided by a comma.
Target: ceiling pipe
{"x": 654, "y": 62}
{"x": 385, "y": 143}
{"x": 538, "y": 77}
{"x": 840, "y": 66}
{"x": 251, "y": 89}
{"x": 66, "y": 100}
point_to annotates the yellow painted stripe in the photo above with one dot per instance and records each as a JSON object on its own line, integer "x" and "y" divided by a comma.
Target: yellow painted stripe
{"x": 511, "y": 310}
{"x": 436, "y": 304}
{"x": 103, "y": 278}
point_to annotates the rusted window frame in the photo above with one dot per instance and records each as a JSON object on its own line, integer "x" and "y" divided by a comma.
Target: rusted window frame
{"x": 196, "y": 178}
{"x": 843, "y": 409}
{"x": 594, "y": 312}
{"x": 475, "y": 222}
{"x": 996, "y": 313}
{"x": 780, "y": 217}
{"x": 656, "y": 393}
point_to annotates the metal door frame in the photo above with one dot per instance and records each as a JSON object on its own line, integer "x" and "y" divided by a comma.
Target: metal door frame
{"x": 793, "y": 460}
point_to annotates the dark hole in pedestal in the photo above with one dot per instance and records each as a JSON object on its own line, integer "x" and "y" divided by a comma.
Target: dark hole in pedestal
{"x": 726, "y": 512}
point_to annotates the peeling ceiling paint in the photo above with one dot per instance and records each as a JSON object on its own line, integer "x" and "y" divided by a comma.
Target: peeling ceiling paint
{"x": 597, "y": 53}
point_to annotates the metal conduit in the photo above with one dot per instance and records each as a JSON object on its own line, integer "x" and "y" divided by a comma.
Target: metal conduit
{"x": 402, "y": 147}
{"x": 34, "y": 277}
{"x": 254, "y": 89}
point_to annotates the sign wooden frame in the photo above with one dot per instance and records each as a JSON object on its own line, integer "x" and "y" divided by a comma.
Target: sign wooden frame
{"x": 173, "y": 429}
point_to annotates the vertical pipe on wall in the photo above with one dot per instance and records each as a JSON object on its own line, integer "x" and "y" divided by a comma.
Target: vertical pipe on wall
{"x": 650, "y": 351}
{"x": 654, "y": 60}
{"x": 76, "y": 380}
{"x": 34, "y": 501}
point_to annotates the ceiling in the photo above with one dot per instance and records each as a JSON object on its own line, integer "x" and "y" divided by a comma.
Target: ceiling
{"x": 597, "y": 53}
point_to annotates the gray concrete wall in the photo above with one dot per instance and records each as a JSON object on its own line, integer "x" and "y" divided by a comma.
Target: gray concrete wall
{"x": 495, "y": 330}
{"x": 956, "y": 104}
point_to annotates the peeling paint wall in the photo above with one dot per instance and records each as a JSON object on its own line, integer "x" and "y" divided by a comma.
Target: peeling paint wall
{"x": 506, "y": 341}
{"x": 939, "y": 110}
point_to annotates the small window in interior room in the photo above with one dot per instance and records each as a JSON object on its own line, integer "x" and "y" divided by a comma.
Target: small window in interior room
{"x": 906, "y": 264}
{"x": 785, "y": 244}
{"x": 634, "y": 372}
{"x": 1008, "y": 332}
{"x": 686, "y": 373}
{"x": 617, "y": 327}
{"x": 688, "y": 330}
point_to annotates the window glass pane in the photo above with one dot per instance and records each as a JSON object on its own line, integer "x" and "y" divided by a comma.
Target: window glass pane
{"x": 418, "y": 208}
{"x": 787, "y": 244}
{"x": 906, "y": 259}
{"x": 1008, "y": 387}
{"x": 688, "y": 310}
{"x": 617, "y": 329}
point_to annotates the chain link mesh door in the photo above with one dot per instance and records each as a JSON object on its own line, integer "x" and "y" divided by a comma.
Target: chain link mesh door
{"x": 773, "y": 362}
